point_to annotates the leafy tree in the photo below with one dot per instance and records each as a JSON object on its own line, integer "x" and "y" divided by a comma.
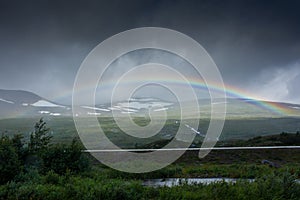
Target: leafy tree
{"x": 40, "y": 138}
{"x": 38, "y": 144}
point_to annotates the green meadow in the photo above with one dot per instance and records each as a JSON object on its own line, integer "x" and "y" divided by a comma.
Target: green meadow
{"x": 62, "y": 171}
{"x": 63, "y": 128}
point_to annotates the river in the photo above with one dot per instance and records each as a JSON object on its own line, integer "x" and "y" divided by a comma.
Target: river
{"x": 177, "y": 181}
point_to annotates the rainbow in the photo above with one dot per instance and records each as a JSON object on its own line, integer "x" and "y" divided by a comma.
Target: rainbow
{"x": 231, "y": 92}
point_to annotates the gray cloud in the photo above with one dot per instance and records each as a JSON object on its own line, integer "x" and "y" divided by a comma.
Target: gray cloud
{"x": 254, "y": 43}
{"x": 280, "y": 83}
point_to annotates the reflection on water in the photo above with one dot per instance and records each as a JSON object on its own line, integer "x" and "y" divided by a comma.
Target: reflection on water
{"x": 169, "y": 182}
{"x": 178, "y": 181}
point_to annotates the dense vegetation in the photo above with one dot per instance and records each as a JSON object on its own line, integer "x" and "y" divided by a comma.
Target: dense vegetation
{"x": 17, "y": 156}
{"x": 97, "y": 185}
{"x": 39, "y": 169}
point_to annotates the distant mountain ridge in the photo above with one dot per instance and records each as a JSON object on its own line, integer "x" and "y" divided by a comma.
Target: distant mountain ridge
{"x": 19, "y": 103}
{"x": 19, "y": 96}
{"x": 16, "y": 103}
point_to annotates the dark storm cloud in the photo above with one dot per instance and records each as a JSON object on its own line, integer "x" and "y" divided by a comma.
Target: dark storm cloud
{"x": 243, "y": 37}
{"x": 44, "y": 42}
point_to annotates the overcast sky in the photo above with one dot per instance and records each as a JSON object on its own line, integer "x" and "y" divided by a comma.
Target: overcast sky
{"x": 255, "y": 44}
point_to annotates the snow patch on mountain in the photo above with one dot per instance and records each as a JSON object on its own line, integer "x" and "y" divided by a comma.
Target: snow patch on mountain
{"x": 44, "y": 112}
{"x": 93, "y": 113}
{"x": 126, "y": 112}
{"x": 194, "y": 130}
{"x": 55, "y": 114}
{"x": 43, "y": 103}
{"x": 295, "y": 107}
{"x": 6, "y": 101}
{"x": 160, "y": 109}
{"x": 143, "y": 105}
{"x": 95, "y": 108}
{"x": 142, "y": 99}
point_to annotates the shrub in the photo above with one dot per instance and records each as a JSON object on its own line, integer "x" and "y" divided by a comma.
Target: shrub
{"x": 9, "y": 161}
{"x": 52, "y": 178}
{"x": 62, "y": 158}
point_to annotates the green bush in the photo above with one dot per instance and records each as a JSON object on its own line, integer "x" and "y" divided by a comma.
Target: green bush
{"x": 10, "y": 164}
{"x": 62, "y": 158}
{"x": 52, "y": 178}
{"x": 54, "y": 186}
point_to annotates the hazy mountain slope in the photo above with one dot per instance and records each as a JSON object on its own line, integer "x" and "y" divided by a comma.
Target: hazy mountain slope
{"x": 19, "y": 96}
{"x": 17, "y": 103}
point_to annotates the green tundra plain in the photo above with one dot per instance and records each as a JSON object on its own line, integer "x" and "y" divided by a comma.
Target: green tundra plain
{"x": 54, "y": 174}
